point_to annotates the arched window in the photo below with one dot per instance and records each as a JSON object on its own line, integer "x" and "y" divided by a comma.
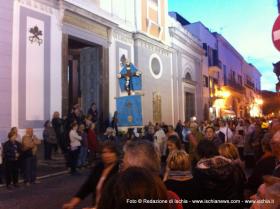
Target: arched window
{"x": 188, "y": 76}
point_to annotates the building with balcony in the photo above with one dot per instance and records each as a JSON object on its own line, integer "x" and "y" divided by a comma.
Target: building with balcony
{"x": 231, "y": 77}
{"x": 252, "y": 85}
{"x": 226, "y": 74}
{"x": 211, "y": 68}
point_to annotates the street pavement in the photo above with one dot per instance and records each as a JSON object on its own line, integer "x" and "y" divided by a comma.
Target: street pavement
{"x": 51, "y": 193}
{"x": 56, "y": 187}
{"x": 48, "y": 168}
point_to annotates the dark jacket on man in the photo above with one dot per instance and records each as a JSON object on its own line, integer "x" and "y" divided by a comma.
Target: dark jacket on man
{"x": 90, "y": 184}
{"x": 10, "y": 149}
{"x": 219, "y": 178}
{"x": 264, "y": 166}
{"x": 276, "y": 171}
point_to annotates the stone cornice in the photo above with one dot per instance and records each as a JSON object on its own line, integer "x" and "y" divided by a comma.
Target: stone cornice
{"x": 91, "y": 16}
{"x": 191, "y": 82}
{"x": 43, "y": 5}
{"x": 79, "y": 21}
{"x": 122, "y": 35}
{"x": 185, "y": 52}
{"x": 149, "y": 43}
{"x": 185, "y": 39}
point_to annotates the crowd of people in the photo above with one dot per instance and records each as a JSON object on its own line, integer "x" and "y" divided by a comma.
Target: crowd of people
{"x": 74, "y": 136}
{"x": 224, "y": 160}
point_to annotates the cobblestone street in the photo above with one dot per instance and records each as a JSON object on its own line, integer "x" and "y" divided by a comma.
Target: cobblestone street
{"x": 51, "y": 193}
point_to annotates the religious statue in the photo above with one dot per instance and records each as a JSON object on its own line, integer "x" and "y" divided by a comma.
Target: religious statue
{"x": 129, "y": 76}
{"x": 129, "y": 107}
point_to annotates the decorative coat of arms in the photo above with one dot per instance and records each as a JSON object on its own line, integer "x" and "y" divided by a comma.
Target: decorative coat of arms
{"x": 35, "y": 37}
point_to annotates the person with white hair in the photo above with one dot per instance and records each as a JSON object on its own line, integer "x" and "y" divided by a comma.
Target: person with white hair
{"x": 110, "y": 134}
{"x": 275, "y": 147}
{"x": 144, "y": 154}
{"x": 141, "y": 153}
{"x": 268, "y": 191}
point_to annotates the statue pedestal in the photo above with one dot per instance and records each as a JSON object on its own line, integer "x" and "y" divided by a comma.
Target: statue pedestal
{"x": 129, "y": 111}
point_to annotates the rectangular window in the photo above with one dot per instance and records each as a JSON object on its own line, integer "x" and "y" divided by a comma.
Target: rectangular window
{"x": 205, "y": 48}
{"x": 189, "y": 105}
{"x": 225, "y": 74}
{"x": 205, "y": 81}
{"x": 215, "y": 57}
{"x": 154, "y": 11}
{"x": 240, "y": 79}
{"x": 212, "y": 56}
{"x": 232, "y": 75}
{"x": 155, "y": 2}
{"x": 209, "y": 56}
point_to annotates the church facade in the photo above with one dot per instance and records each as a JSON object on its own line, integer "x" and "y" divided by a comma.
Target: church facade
{"x": 60, "y": 53}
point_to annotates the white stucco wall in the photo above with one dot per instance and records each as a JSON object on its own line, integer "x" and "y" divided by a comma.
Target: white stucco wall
{"x": 230, "y": 58}
{"x": 189, "y": 59}
{"x": 121, "y": 13}
{"x": 202, "y": 33}
{"x": 252, "y": 72}
{"x": 34, "y": 63}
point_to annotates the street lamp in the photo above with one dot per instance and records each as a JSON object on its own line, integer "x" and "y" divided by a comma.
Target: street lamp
{"x": 221, "y": 97}
{"x": 255, "y": 107}
{"x": 258, "y": 101}
{"x": 225, "y": 94}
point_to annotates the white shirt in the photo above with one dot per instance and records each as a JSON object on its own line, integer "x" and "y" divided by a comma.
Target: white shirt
{"x": 160, "y": 141}
{"x": 75, "y": 139}
{"x": 227, "y": 132}
{"x": 160, "y": 135}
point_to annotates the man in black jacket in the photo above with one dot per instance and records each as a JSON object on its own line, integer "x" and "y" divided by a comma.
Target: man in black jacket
{"x": 212, "y": 136}
{"x": 100, "y": 174}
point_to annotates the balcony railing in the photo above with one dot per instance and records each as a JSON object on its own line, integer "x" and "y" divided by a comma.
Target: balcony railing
{"x": 214, "y": 62}
{"x": 250, "y": 84}
{"x": 233, "y": 84}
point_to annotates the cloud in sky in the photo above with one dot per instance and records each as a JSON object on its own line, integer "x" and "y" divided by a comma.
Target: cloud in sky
{"x": 246, "y": 25}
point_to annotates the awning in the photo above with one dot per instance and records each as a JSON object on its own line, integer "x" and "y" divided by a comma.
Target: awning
{"x": 228, "y": 112}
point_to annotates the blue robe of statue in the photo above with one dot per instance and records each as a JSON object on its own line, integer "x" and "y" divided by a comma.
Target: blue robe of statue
{"x": 135, "y": 82}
